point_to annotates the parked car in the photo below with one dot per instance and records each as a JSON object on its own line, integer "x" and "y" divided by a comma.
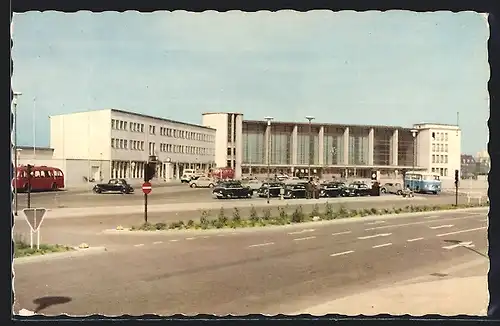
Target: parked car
{"x": 331, "y": 189}
{"x": 228, "y": 190}
{"x": 293, "y": 191}
{"x": 273, "y": 188}
{"x": 392, "y": 188}
{"x": 202, "y": 182}
{"x": 185, "y": 178}
{"x": 114, "y": 185}
{"x": 357, "y": 189}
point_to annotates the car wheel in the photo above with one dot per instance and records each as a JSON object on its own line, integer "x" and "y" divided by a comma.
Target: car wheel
{"x": 399, "y": 192}
{"x": 123, "y": 191}
{"x": 383, "y": 190}
{"x": 193, "y": 185}
{"x": 54, "y": 186}
{"x": 97, "y": 190}
{"x": 211, "y": 185}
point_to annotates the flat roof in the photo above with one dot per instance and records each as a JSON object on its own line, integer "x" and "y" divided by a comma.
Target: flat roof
{"x": 317, "y": 124}
{"x": 140, "y": 115}
{"x": 207, "y": 113}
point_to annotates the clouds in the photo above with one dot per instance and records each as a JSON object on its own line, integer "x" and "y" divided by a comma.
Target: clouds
{"x": 389, "y": 68}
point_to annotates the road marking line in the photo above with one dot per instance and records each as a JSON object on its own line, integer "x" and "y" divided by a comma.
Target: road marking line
{"x": 206, "y": 237}
{"x": 139, "y": 245}
{"x": 306, "y": 238}
{"x": 342, "y": 253}
{"x": 192, "y": 238}
{"x": 302, "y": 231}
{"x": 382, "y": 245}
{"x": 483, "y": 220}
{"x": 461, "y": 231}
{"x": 174, "y": 240}
{"x": 414, "y": 223}
{"x": 374, "y": 236}
{"x": 340, "y": 233}
{"x": 220, "y": 235}
{"x": 416, "y": 239}
{"x": 157, "y": 242}
{"x": 431, "y": 216}
{"x": 441, "y": 226}
{"x": 261, "y": 244}
{"x": 376, "y": 222}
{"x": 467, "y": 244}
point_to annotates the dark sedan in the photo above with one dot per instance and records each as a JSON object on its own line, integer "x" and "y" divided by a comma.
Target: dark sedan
{"x": 293, "y": 191}
{"x": 331, "y": 189}
{"x": 228, "y": 190}
{"x": 357, "y": 189}
{"x": 273, "y": 188}
{"x": 114, "y": 185}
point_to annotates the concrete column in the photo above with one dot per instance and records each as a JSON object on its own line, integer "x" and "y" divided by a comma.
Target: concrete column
{"x": 266, "y": 144}
{"x": 321, "y": 146}
{"x": 346, "y": 145}
{"x": 294, "y": 145}
{"x": 238, "y": 144}
{"x": 371, "y": 145}
{"x": 395, "y": 142}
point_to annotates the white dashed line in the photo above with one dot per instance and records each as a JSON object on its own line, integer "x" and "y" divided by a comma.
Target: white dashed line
{"x": 302, "y": 231}
{"x": 192, "y": 238}
{"x": 306, "y": 238}
{"x": 416, "y": 239}
{"x": 376, "y": 222}
{"x": 261, "y": 245}
{"x": 340, "y": 233}
{"x": 382, "y": 245}
{"x": 467, "y": 244}
{"x": 157, "y": 242}
{"x": 342, "y": 253}
{"x": 374, "y": 236}
{"x": 139, "y": 245}
{"x": 413, "y": 223}
{"x": 174, "y": 240}
{"x": 461, "y": 231}
{"x": 441, "y": 226}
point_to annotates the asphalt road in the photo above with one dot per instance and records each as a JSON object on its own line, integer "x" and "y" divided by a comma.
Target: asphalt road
{"x": 270, "y": 271}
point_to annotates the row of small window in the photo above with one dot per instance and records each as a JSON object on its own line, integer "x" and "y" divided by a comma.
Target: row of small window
{"x": 439, "y": 158}
{"x": 440, "y": 147}
{"x": 184, "y": 149}
{"x": 123, "y": 144}
{"x": 169, "y": 132}
{"x": 441, "y": 171}
{"x": 440, "y": 136}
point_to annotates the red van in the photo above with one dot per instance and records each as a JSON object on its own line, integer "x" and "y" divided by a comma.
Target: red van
{"x": 222, "y": 173}
{"x": 42, "y": 178}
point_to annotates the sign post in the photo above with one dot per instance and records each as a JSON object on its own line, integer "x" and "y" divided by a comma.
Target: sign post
{"x": 34, "y": 217}
{"x": 146, "y": 189}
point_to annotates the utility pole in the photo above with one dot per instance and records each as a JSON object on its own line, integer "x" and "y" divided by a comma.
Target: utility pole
{"x": 310, "y": 118}
{"x": 268, "y": 119}
{"x": 414, "y": 133}
{"x": 14, "y": 102}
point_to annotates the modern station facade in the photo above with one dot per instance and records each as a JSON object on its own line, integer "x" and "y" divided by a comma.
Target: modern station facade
{"x": 254, "y": 147}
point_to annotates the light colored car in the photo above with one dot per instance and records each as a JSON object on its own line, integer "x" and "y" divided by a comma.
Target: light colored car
{"x": 254, "y": 184}
{"x": 392, "y": 188}
{"x": 202, "y": 182}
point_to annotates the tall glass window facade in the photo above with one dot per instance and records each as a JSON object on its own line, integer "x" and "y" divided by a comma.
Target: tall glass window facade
{"x": 333, "y": 146}
{"x": 307, "y": 145}
{"x": 358, "y": 146}
{"x": 281, "y": 144}
{"x": 405, "y": 148}
{"x": 254, "y": 143}
{"x": 382, "y": 147}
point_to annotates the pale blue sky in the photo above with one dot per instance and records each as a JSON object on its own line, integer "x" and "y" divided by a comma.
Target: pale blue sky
{"x": 394, "y": 68}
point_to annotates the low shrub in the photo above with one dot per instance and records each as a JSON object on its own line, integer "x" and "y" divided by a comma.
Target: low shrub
{"x": 190, "y": 224}
{"x": 253, "y": 214}
{"x": 161, "y": 226}
{"x": 236, "y": 215}
{"x": 329, "y": 212}
{"x": 204, "y": 218}
{"x": 343, "y": 212}
{"x": 266, "y": 216}
{"x": 315, "y": 211}
{"x": 298, "y": 215}
{"x": 283, "y": 214}
{"x": 221, "y": 217}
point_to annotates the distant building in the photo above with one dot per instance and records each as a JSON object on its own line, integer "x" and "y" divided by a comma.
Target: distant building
{"x": 351, "y": 150}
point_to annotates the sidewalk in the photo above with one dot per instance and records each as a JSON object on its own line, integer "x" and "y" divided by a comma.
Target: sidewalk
{"x": 447, "y": 297}
{"x": 215, "y": 204}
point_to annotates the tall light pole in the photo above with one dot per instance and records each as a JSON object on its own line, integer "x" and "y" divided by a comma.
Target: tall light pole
{"x": 310, "y": 119}
{"x": 414, "y": 133}
{"x": 14, "y": 102}
{"x": 268, "y": 119}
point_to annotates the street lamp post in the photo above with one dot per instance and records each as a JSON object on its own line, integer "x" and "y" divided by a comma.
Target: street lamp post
{"x": 14, "y": 102}
{"x": 268, "y": 119}
{"x": 414, "y": 133}
{"x": 310, "y": 119}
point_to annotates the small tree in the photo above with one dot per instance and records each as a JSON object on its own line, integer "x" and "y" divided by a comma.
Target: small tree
{"x": 267, "y": 214}
{"x": 221, "y": 217}
{"x": 329, "y": 213}
{"x": 298, "y": 215}
{"x": 236, "y": 215}
{"x": 253, "y": 214}
{"x": 315, "y": 211}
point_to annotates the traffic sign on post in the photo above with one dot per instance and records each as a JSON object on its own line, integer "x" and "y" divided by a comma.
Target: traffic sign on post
{"x": 34, "y": 217}
{"x": 146, "y": 188}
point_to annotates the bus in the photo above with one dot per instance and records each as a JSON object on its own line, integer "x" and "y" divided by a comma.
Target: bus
{"x": 43, "y": 178}
{"x": 422, "y": 182}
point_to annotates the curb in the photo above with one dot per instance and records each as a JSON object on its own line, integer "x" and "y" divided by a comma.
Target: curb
{"x": 58, "y": 255}
{"x": 294, "y": 225}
